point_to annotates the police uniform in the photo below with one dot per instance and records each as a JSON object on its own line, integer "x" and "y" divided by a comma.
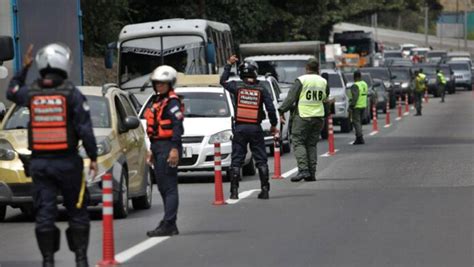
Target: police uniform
{"x": 308, "y": 95}
{"x": 420, "y": 87}
{"x": 441, "y": 80}
{"x": 249, "y": 100}
{"x": 164, "y": 128}
{"x": 59, "y": 118}
{"x": 358, "y": 104}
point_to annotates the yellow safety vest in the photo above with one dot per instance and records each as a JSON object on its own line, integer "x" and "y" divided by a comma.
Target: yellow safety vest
{"x": 312, "y": 95}
{"x": 363, "y": 91}
{"x": 420, "y": 82}
{"x": 441, "y": 78}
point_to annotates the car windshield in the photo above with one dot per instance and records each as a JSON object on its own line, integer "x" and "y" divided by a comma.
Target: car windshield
{"x": 381, "y": 73}
{"x": 435, "y": 54}
{"x": 139, "y": 57}
{"x": 205, "y": 105}
{"x": 334, "y": 80}
{"x": 401, "y": 74}
{"x": 428, "y": 69}
{"x": 285, "y": 71}
{"x": 379, "y": 88}
{"x": 459, "y": 66}
{"x": 265, "y": 85}
{"x": 99, "y": 110}
{"x": 393, "y": 55}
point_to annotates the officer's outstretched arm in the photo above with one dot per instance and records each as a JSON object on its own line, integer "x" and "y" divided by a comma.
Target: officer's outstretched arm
{"x": 291, "y": 98}
{"x": 83, "y": 124}
{"x": 229, "y": 86}
{"x": 267, "y": 100}
{"x": 17, "y": 92}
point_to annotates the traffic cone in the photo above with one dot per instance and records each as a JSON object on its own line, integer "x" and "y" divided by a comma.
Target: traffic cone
{"x": 219, "y": 191}
{"x": 399, "y": 106}
{"x": 108, "y": 248}
{"x": 407, "y": 106}
{"x": 375, "y": 126}
{"x": 387, "y": 115}
{"x": 426, "y": 96}
{"x": 332, "y": 150}
{"x": 277, "y": 158}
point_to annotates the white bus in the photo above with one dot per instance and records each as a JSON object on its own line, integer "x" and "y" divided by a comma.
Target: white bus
{"x": 190, "y": 46}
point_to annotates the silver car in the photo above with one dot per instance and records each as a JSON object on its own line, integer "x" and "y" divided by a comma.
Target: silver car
{"x": 338, "y": 92}
{"x": 462, "y": 74}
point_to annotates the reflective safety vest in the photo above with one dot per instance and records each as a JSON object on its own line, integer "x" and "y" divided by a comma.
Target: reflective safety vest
{"x": 363, "y": 91}
{"x": 441, "y": 78}
{"x": 159, "y": 128}
{"x": 50, "y": 127}
{"x": 313, "y": 93}
{"x": 420, "y": 82}
{"x": 249, "y": 105}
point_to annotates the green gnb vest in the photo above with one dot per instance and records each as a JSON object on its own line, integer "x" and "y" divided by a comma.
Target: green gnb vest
{"x": 363, "y": 91}
{"x": 441, "y": 78}
{"x": 420, "y": 82}
{"x": 312, "y": 95}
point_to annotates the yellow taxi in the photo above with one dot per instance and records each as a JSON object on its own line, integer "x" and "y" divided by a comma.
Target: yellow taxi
{"x": 121, "y": 152}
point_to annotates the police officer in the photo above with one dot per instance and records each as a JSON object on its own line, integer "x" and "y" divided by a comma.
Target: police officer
{"x": 358, "y": 105}
{"x": 164, "y": 128}
{"x": 59, "y": 118}
{"x": 249, "y": 100}
{"x": 420, "y": 87}
{"x": 308, "y": 94}
{"x": 441, "y": 81}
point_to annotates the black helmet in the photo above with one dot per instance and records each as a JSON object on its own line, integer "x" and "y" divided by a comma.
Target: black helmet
{"x": 248, "y": 69}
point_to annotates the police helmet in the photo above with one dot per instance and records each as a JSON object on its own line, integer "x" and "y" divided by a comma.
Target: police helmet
{"x": 248, "y": 69}
{"x": 164, "y": 74}
{"x": 54, "y": 58}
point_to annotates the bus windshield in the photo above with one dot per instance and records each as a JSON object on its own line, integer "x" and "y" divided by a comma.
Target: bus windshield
{"x": 139, "y": 57}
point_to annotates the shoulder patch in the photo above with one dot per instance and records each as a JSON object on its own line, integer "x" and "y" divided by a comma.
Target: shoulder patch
{"x": 15, "y": 89}
{"x": 174, "y": 109}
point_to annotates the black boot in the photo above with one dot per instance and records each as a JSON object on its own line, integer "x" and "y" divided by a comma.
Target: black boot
{"x": 359, "y": 140}
{"x": 312, "y": 177}
{"x": 300, "y": 176}
{"x": 264, "y": 181}
{"x": 48, "y": 242}
{"x": 164, "y": 229}
{"x": 234, "y": 183}
{"x": 78, "y": 241}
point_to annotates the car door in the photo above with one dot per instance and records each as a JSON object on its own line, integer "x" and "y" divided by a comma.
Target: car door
{"x": 137, "y": 150}
{"x": 127, "y": 141}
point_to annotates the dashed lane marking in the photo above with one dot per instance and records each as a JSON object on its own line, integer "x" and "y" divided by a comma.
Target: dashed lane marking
{"x": 242, "y": 195}
{"x": 373, "y": 133}
{"x": 327, "y": 154}
{"x": 139, "y": 248}
{"x": 387, "y": 125}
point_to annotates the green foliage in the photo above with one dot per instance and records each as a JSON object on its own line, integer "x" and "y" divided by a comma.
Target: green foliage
{"x": 251, "y": 21}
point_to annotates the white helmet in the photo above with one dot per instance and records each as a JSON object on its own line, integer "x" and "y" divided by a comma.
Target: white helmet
{"x": 54, "y": 57}
{"x": 164, "y": 74}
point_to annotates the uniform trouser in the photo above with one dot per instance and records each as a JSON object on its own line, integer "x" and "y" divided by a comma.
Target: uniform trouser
{"x": 166, "y": 179}
{"x": 64, "y": 174}
{"x": 357, "y": 115}
{"x": 305, "y": 136}
{"x": 442, "y": 91}
{"x": 418, "y": 101}
{"x": 245, "y": 135}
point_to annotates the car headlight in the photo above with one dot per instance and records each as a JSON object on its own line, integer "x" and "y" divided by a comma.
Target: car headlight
{"x": 103, "y": 147}
{"x": 405, "y": 85}
{"x": 6, "y": 150}
{"x": 340, "y": 98}
{"x": 221, "y": 137}
{"x": 387, "y": 84}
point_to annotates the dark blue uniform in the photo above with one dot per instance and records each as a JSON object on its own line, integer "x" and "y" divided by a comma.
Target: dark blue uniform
{"x": 246, "y": 133}
{"x": 167, "y": 176}
{"x": 53, "y": 172}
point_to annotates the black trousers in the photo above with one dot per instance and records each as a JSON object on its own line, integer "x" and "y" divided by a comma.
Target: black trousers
{"x": 54, "y": 175}
{"x": 245, "y": 135}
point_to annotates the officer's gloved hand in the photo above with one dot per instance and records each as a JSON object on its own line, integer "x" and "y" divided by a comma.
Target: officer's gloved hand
{"x": 274, "y": 130}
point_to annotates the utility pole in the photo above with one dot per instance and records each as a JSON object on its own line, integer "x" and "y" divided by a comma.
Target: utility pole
{"x": 465, "y": 29}
{"x": 426, "y": 25}
{"x": 457, "y": 24}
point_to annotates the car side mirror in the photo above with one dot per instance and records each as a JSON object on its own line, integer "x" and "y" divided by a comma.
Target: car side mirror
{"x": 131, "y": 123}
{"x": 109, "y": 55}
{"x": 211, "y": 53}
{"x": 6, "y": 49}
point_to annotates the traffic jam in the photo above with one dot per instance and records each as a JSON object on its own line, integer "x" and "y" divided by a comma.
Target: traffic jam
{"x": 349, "y": 152}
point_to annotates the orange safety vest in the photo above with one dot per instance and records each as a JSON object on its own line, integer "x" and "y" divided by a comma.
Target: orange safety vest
{"x": 50, "y": 130}
{"x": 249, "y": 102}
{"x": 159, "y": 128}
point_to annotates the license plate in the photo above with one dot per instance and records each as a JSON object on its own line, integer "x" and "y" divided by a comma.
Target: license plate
{"x": 187, "y": 152}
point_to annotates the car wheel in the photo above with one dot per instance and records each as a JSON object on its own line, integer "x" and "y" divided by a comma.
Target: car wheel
{"x": 345, "y": 125}
{"x": 121, "y": 206}
{"x": 249, "y": 169}
{"x": 144, "y": 202}
{"x": 286, "y": 147}
{"x": 3, "y": 212}
{"x": 469, "y": 88}
{"x": 28, "y": 211}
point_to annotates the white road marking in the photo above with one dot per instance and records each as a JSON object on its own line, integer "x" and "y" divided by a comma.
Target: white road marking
{"x": 398, "y": 118}
{"x": 388, "y": 125}
{"x": 242, "y": 195}
{"x": 373, "y": 133}
{"x": 325, "y": 155}
{"x": 139, "y": 248}
{"x": 290, "y": 172}
{"x": 406, "y": 113}
{"x": 351, "y": 143}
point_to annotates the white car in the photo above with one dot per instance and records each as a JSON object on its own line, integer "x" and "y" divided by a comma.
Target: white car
{"x": 406, "y": 48}
{"x": 272, "y": 86}
{"x": 208, "y": 117}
